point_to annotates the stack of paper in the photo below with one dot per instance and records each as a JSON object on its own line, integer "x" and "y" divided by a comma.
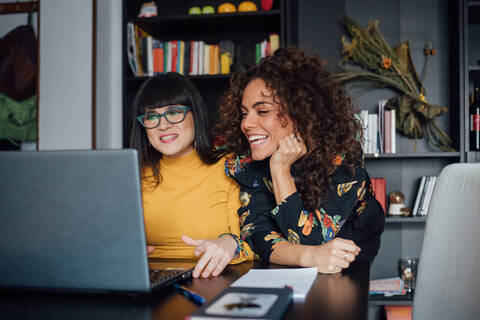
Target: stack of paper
{"x": 299, "y": 279}
{"x": 388, "y": 287}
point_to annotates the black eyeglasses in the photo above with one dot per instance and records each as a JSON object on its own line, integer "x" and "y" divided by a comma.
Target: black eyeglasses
{"x": 172, "y": 115}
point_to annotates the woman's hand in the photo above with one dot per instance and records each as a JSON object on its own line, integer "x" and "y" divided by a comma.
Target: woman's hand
{"x": 150, "y": 249}
{"x": 216, "y": 254}
{"x": 330, "y": 257}
{"x": 290, "y": 149}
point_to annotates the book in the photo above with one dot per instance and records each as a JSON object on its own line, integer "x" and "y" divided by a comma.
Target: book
{"x": 387, "y": 132}
{"x": 246, "y": 303}
{"x": 393, "y": 143}
{"x": 419, "y": 196}
{"x": 428, "y": 196}
{"x": 379, "y": 188}
{"x": 387, "y": 286}
{"x": 157, "y": 57}
{"x": 274, "y": 42}
{"x": 132, "y": 49}
{"x": 424, "y": 199}
{"x": 300, "y": 279}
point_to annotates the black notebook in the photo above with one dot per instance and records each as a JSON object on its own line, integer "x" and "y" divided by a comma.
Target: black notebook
{"x": 247, "y": 303}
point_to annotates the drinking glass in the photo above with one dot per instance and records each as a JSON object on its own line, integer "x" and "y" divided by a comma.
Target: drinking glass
{"x": 408, "y": 272}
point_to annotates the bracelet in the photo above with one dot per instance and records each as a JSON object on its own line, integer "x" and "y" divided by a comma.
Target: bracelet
{"x": 234, "y": 238}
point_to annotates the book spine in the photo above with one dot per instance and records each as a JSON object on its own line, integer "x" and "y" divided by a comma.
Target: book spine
{"x": 393, "y": 128}
{"x": 429, "y": 194}
{"x": 421, "y": 206}
{"x": 274, "y": 42}
{"x": 419, "y": 196}
{"x": 157, "y": 57}
{"x": 201, "y": 46}
{"x": 388, "y": 132}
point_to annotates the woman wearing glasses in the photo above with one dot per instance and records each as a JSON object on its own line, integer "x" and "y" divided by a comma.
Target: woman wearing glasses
{"x": 190, "y": 206}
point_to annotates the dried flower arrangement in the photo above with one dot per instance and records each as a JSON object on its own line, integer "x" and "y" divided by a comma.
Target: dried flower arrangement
{"x": 370, "y": 63}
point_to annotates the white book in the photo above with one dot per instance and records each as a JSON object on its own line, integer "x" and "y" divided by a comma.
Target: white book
{"x": 372, "y": 133}
{"x": 194, "y": 57}
{"x": 132, "y": 49}
{"x": 206, "y": 59}
{"x": 299, "y": 279}
{"x": 394, "y": 130}
{"x": 419, "y": 196}
{"x": 201, "y": 46}
{"x": 149, "y": 56}
{"x": 431, "y": 186}
{"x": 169, "y": 57}
{"x": 375, "y": 134}
{"x": 364, "y": 117}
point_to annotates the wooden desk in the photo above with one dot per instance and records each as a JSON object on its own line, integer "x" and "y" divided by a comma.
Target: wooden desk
{"x": 341, "y": 296}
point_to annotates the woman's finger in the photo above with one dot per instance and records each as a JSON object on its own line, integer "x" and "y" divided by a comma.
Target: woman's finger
{"x": 192, "y": 242}
{"x": 212, "y": 264}
{"x": 202, "y": 262}
{"x": 221, "y": 265}
{"x": 150, "y": 249}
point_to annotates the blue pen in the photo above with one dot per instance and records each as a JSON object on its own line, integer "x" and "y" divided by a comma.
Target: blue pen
{"x": 192, "y": 296}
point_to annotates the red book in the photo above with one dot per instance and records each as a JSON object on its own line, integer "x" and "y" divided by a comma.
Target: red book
{"x": 380, "y": 190}
{"x": 174, "y": 55}
{"x": 157, "y": 56}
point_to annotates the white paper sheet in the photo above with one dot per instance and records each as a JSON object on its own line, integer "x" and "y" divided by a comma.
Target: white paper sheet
{"x": 299, "y": 279}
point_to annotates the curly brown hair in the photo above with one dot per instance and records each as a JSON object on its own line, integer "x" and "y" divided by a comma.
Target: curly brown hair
{"x": 321, "y": 110}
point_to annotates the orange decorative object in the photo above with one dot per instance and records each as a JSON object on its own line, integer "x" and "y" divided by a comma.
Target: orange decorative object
{"x": 247, "y": 6}
{"x": 226, "y": 8}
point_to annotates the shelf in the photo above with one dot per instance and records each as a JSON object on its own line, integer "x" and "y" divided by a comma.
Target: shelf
{"x": 474, "y": 12}
{"x": 405, "y": 219}
{"x": 474, "y": 68}
{"x": 189, "y": 26}
{"x": 413, "y": 155}
{"x": 193, "y": 78}
{"x": 398, "y": 300}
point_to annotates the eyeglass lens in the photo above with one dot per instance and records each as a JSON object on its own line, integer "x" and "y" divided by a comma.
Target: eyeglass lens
{"x": 173, "y": 116}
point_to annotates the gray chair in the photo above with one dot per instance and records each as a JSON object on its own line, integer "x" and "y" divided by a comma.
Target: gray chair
{"x": 448, "y": 279}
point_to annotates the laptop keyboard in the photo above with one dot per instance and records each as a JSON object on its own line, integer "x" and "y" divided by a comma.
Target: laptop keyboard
{"x": 163, "y": 278}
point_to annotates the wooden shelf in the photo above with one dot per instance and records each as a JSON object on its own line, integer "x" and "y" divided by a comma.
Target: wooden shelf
{"x": 396, "y": 300}
{"x": 413, "y": 155}
{"x": 208, "y": 17}
{"x": 188, "y": 26}
{"x": 405, "y": 219}
{"x": 202, "y": 77}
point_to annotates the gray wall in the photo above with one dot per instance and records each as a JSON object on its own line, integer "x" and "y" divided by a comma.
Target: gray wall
{"x": 320, "y": 31}
{"x": 109, "y": 74}
{"x": 65, "y": 86}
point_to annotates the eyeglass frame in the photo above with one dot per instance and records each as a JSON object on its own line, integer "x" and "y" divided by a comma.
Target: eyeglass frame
{"x": 185, "y": 109}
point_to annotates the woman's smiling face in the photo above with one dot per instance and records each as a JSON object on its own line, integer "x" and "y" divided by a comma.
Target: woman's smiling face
{"x": 172, "y": 140}
{"x": 262, "y": 124}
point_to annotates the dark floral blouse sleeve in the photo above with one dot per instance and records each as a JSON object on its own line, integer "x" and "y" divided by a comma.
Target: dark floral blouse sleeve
{"x": 350, "y": 210}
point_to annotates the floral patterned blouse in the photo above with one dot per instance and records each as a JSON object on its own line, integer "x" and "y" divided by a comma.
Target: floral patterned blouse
{"x": 349, "y": 212}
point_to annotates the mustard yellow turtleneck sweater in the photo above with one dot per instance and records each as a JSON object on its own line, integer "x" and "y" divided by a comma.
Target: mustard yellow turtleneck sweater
{"x": 193, "y": 199}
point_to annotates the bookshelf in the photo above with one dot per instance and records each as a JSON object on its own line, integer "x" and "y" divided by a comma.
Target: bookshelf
{"x": 244, "y": 29}
{"x": 469, "y": 50}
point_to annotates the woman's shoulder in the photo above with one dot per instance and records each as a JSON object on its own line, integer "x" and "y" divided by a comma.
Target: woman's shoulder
{"x": 235, "y": 164}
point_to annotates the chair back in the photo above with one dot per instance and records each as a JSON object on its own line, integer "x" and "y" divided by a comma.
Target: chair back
{"x": 448, "y": 279}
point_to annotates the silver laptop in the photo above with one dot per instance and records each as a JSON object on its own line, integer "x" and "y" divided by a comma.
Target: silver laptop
{"x": 73, "y": 221}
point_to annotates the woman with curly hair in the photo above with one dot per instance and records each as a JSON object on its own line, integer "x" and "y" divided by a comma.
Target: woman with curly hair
{"x": 306, "y": 198}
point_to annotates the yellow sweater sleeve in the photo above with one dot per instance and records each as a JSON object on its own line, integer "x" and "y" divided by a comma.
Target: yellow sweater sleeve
{"x": 234, "y": 224}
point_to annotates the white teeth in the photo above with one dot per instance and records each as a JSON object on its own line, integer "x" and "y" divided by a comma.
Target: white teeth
{"x": 256, "y": 139}
{"x": 168, "y": 138}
